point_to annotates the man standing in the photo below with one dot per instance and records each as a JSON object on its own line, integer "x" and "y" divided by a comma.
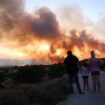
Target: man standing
{"x": 71, "y": 62}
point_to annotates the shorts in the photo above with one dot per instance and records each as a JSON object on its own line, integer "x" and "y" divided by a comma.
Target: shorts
{"x": 85, "y": 77}
{"x": 95, "y": 73}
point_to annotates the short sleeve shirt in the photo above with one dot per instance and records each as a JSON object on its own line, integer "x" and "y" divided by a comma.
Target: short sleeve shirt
{"x": 94, "y": 64}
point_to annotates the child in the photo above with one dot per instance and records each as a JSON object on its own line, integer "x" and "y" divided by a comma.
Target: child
{"x": 85, "y": 74}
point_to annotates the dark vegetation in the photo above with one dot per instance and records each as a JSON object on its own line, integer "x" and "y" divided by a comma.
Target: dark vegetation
{"x": 34, "y": 84}
{"x": 32, "y": 73}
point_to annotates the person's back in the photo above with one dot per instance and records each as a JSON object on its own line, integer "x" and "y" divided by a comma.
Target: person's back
{"x": 71, "y": 63}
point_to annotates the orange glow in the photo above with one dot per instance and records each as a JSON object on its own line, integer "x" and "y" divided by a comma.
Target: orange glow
{"x": 59, "y": 52}
{"x": 12, "y": 53}
{"x": 41, "y": 37}
{"x": 43, "y": 47}
{"x": 77, "y": 52}
{"x": 40, "y": 51}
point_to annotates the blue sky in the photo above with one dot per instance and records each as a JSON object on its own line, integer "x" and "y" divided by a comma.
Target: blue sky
{"x": 93, "y": 9}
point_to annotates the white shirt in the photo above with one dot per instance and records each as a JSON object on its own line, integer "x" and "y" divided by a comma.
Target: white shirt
{"x": 84, "y": 71}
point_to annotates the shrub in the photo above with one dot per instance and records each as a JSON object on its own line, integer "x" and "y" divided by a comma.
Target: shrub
{"x": 42, "y": 94}
{"x": 30, "y": 74}
{"x": 2, "y": 75}
{"x": 2, "y": 78}
{"x": 56, "y": 71}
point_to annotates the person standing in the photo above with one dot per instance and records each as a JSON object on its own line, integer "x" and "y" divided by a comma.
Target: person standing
{"x": 71, "y": 62}
{"x": 85, "y": 75}
{"x": 95, "y": 71}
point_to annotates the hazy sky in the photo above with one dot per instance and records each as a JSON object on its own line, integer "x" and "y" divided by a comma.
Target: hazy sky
{"x": 93, "y": 9}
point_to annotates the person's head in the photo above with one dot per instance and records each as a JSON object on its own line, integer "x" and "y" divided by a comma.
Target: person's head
{"x": 93, "y": 54}
{"x": 69, "y": 53}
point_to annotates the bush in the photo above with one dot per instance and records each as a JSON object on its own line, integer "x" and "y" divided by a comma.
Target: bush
{"x": 2, "y": 75}
{"x": 56, "y": 71}
{"x": 42, "y": 94}
{"x": 2, "y": 78}
{"x": 30, "y": 74}
{"x": 38, "y": 74}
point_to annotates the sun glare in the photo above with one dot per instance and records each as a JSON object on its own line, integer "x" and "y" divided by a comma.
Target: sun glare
{"x": 44, "y": 47}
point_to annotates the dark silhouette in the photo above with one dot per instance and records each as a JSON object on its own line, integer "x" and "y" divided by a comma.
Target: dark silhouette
{"x": 71, "y": 62}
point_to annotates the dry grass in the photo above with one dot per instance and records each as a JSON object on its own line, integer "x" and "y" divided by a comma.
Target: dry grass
{"x": 49, "y": 93}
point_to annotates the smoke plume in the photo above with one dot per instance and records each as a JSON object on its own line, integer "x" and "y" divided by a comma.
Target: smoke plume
{"x": 41, "y": 38}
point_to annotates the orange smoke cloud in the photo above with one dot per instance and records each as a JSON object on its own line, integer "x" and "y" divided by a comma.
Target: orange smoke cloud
{"x": 38, "y": 37}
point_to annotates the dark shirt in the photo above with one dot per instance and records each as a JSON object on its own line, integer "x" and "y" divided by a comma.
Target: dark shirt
{"x": 71, "y": 63}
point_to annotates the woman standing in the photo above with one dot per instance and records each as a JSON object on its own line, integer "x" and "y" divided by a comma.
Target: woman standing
{"x": 95, "y": 71}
